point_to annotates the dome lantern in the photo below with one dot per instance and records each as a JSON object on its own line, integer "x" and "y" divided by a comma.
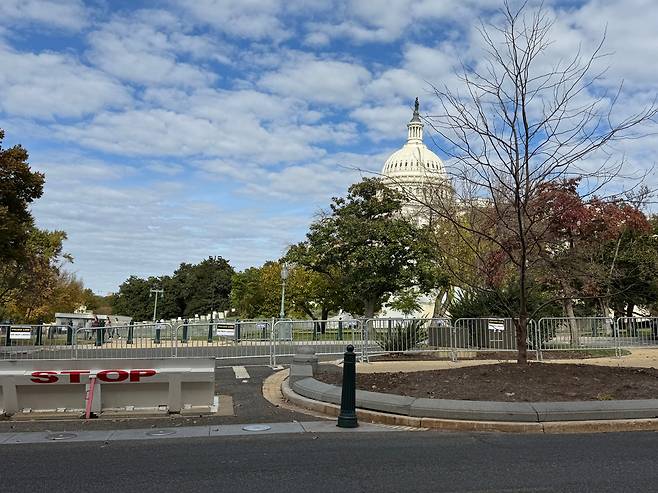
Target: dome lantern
{"x": 415, "y": 126}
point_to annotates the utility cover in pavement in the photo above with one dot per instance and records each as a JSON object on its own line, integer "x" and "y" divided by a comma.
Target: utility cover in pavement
{"x": 256, "y": 428}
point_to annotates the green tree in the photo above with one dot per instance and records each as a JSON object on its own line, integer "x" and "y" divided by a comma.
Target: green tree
{"x": 30, "y": 258}
{"x": 193, "y": 289}
{"x": 133, "y": 299}
{"x": 204, "y": 287}
{"x": 19, "y": 186}
{"x": 366, "y": 250}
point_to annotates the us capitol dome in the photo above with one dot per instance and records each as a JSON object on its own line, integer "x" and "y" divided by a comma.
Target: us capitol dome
{"x": 414, "y": 170}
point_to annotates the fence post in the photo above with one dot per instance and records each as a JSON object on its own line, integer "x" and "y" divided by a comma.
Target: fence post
{"x": 131, "y": 332}
{"x": 237, "y": 330}
{"x": 99, "y": 336}
{"x": 453, "y": 341}
{"x": 538, "y": 341}
{"x": 347, "y": 416}
{"x": 339, "y": 337}
{"x": 615, "y": 331}
{"x": 8, "y": 335}
{"x": 69, "y": 335}
{"x": 185, "y": 329}
{"x": 273, "y": 343}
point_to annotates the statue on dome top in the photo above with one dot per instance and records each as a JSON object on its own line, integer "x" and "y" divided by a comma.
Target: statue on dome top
{"x": 416, "y": 105}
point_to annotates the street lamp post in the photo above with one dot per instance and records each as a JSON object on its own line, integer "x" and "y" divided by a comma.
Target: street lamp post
{"x": 284, "y": 277}
{"x": 155, "y": 307}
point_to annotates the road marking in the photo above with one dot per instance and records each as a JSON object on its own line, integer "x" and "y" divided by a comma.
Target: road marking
{"x": 240, "y": 372}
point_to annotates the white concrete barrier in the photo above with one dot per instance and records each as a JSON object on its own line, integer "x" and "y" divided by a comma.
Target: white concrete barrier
{"x": 173, "y": 385}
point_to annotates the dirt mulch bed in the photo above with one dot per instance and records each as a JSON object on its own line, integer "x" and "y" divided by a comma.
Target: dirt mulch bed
{"x": 536, "y": 382}
{"x": 496, "y": 355}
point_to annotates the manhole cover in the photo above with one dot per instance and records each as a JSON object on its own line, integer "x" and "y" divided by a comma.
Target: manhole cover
{"x": 256, "y": 428}
{"x": 160, "y": 433}
{"x": 61, "y": 436}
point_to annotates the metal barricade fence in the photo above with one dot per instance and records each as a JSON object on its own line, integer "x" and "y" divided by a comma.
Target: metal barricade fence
{"x": 141, "y": 340}
{"x": 265, "y": 339}
{"x": 324, "y": 336}
{"x": 224, "y": 339}
{"x": 394, "y": 335}
{"x": 578, "y": 333}
{"x": 492, "y": 334}
{"x": 634, "y": 332}
{"x": 25, "y": 341}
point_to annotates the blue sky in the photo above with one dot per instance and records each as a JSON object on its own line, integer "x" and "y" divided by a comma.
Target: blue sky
{"x": 174, "y": 130}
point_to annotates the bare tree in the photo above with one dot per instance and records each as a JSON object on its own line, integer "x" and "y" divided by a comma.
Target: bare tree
{"x": 511, "y": 128}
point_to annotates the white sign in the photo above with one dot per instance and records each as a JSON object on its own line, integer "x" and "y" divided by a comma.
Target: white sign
{"x": 20, "y": 333}
{"x": 225, "y": 332}
{"x": 496, "y": 326}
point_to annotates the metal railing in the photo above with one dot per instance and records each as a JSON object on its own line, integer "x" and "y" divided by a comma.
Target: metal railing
{"x": 325, "y": 336}
{"x": 224, "y": 339}
{"x": 143, "y": 340}
{"x": 577, "y": 333}
{"x": 637, "y": 332}
{"x": 35, "y": 341}
{"x": 267, "y": 339}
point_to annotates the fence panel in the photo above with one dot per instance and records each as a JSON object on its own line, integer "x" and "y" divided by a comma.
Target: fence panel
{"x": 578, "y": 333}
{"x": 637, "y": 332}
{"x": 142, "y": 340}
{"x": 224, "y": 339}
{"x": 324, "y": 336}
{"x": 35, "y": 341}
{"x": 485, "y": 334}
{"x": 395, "y": 335}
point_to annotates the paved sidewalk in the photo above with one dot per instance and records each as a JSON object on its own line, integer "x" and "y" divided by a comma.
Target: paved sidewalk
{"x": 640, "y": 358}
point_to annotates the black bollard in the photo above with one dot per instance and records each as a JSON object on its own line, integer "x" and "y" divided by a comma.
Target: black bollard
{"x": 185, "y": 337}
{"x": 69, "y": 335}
{"x": 8, "y": 335}
{"x": 237, "y": 330}
{"x": 347, "y": 416}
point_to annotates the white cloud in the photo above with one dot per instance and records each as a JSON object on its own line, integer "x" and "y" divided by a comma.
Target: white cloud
{"x": 147, "y": 48}
{"x": 46, "y": 85}
{"x": 115, "y": 232}
{"x": 251, "y": 19}
{"x": 321, "y": 81}
{"x": 58, "y": 14}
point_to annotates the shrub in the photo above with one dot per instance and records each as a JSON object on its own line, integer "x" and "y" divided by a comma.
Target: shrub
{"x": 403, "y": 336}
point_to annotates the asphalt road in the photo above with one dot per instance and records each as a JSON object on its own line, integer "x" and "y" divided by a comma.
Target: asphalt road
{"x": 377, "y": 462}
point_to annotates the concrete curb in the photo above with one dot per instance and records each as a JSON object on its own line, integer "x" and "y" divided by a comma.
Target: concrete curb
{"x": 525, "y": 412}
{"x": 591, "y": 426}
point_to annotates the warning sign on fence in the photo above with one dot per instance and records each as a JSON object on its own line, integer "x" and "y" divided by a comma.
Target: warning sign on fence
{"x": 20, "y": 332}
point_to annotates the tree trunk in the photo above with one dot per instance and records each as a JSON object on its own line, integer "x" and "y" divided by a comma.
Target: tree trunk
{"x": 572, "y": 324}
{"x": 522, "y": 339}
{"x": 323, "y": 318}
{"x": 605, "y": 312}
{"x": 441, "y": 305}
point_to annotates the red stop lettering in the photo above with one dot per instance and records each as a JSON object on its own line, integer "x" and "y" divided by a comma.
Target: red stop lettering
{"x": 135, "y": 375}
{"x": 44, "y": 376}
{"x": 75, "y": 374}
{"x": 106, "y": 375}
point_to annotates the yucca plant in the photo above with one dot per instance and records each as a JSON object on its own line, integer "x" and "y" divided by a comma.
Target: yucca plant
{"x": 403, "y": 336}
